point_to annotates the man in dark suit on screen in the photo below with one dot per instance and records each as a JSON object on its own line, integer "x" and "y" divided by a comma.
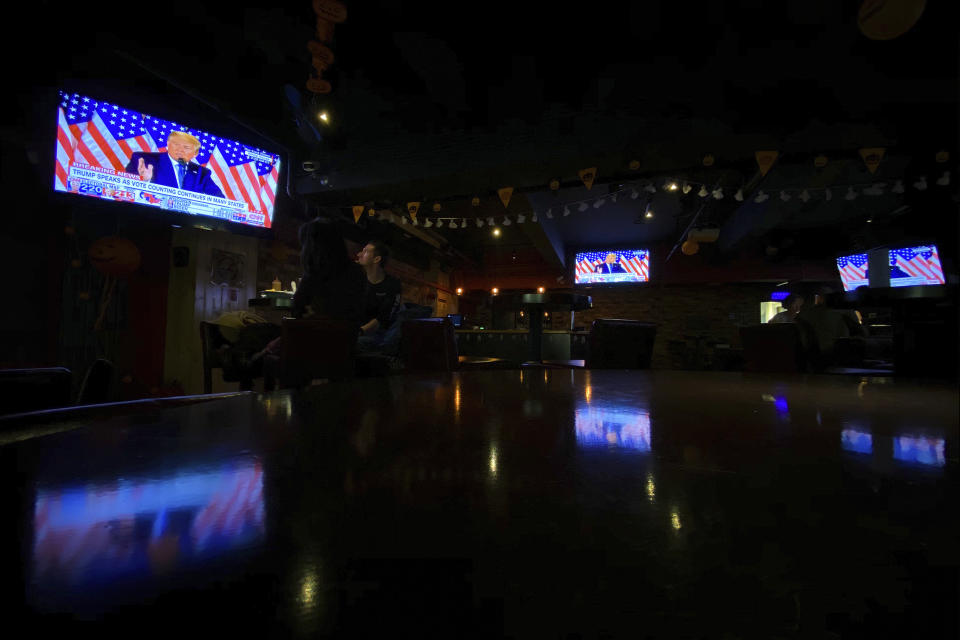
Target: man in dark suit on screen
{"x": 609, "y": 265}
{"x": 175, "y": 168}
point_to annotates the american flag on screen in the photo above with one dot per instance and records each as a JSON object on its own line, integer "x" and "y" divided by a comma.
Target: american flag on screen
{"x": 853, "y": 270}
{"x": 97, "y": 133}
{"x": 106, "y": 135}
{"x": 916, "y": 262}
{"x": 635, "y": 262}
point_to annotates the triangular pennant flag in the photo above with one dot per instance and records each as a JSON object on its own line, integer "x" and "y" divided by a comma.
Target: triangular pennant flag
{"x": 357, "y": 212}
{"x": 765, "y": 160}
{"x": 412, "y": 209}
{"x": 872, "y": 157}
{"x": 588, "y": 175}
{"x": 505, "y": 194}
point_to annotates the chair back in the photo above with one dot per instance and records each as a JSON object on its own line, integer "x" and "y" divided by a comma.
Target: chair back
{"x": 429, "y": 344}
{"x": 24, "y": 390}
{"x": 210, "y": 342}
{"x": 620, "y": 344}
{"x": 773, "y": 348}
{"x": 95, "y": 388}
{"x": 316, "y": 347}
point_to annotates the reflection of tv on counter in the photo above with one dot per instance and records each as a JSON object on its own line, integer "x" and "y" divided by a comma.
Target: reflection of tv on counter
{"x": 912, "y": 266}
{"x": 111, "y": 152}
{"x": 612, "y": 266}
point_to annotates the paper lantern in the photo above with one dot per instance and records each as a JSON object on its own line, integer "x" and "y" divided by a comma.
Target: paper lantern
{"x": 331, "y": 10}
{"x": 114, "y": 256}
{"x": 888, "y": 19}
{"x": 318, "y": 85}
{"x": 689, "y": 247}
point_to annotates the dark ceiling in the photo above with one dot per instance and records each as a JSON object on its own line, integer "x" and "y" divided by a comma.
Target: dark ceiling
{"x": 444, "y": 100}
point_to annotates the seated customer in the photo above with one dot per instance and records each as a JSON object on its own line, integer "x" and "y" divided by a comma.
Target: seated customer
{"x": 332, "y": 285}
{"x": 827, "y": 324}
{"x": 381, "y": 299}
{"x": 791, "y": 307}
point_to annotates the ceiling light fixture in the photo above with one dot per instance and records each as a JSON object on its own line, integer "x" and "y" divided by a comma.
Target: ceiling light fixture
{"x": 583, "y": 207}
{"x": 738, "y": 196}
{"x": 634, "y": 193}
{"x": 805, "y": 195}
{"x": 521, "y": 218}
{"x": 851, "y": 194}
{"x": 550, "y": 214}
{"x": 686, "y": 187}
{"x": 496, "y": 232}
{"x": 566, "y": 211}
{"x": 898, "y": 186}
{"x": 599, "y": 203}
{"x": 784, "y": 196}
{"x": 703, "y": 191}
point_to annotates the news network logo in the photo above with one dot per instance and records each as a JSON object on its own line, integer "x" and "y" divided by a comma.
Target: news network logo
{"x": 149, "y": 197}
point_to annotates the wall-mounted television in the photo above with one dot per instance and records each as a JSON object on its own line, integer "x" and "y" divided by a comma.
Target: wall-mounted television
{"x": 111, "y": 152}
{"x": 854, "y": 271}
{"x": 612, "y": 266}
{"x": 913, "y": 266}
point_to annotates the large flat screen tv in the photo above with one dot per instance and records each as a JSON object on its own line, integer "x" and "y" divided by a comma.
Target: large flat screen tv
{"x": 913, "y": 266}
{"x": 110, "y": 152}
{"x": 612, "y": 266}
{"x": 853, "y": 271}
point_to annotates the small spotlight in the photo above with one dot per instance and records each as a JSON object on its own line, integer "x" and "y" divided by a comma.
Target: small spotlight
{"x": 459, "y": 291}
{"x": 673, "y": 186}
{"x": 495, "y": 291}
{"x": 546, "y": 314}
{"x": 649, "y": 214}
{"x": 496, "y": 232}
{"x": 540, "y": 289}
{"x": 325, "y": 117}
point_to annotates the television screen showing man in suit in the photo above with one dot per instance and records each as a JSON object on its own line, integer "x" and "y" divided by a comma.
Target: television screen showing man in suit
{"x": 112, "y": 152}
{"x": 612, "y": 266}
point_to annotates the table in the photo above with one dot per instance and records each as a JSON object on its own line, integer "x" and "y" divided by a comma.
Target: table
{"x": 273, "y": 308}
{"x": 535, "y": 304}
{"x": 525, "y": 503}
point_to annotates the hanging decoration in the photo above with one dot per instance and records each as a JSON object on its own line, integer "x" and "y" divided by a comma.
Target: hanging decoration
{"x": 412, "y": 209}
{"x": 554, "y": 185}
{"x": 761, "y": 196}
{"x": 944, "y": 180}
{"x": 634, "y": 165}
{"x": 921, "y": 184}
{"x": 888, "y": 19}
{"x": 588, "y": 176}
{"x": 708, "y": 160}
{"x": 505, "y": 193}
{"x": 690, "y": 247}
{"x": 942, "y": 156}
{"x": 872, "y": 157}
{"x": 765, "y": 160}
{"x": 820, "y": 161}
{"x": 329, "y": 13}
{"x": 437, "y": 207}
{"x": 738, "y": 196}
{"x": 475, "y": 202}
{"x": 357, "y": 212}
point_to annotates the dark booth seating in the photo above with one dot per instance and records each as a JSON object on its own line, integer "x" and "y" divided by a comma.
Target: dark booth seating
{"x": 620, "y": 344}
{"x": 211, "y": 343}
{"x": 774, "y": 348}
{"x": 24, "y": 390}
{"x": 430, "y": 344}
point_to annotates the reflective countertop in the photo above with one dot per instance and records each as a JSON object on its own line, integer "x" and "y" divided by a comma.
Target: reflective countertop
{"x": 499, "y": 504}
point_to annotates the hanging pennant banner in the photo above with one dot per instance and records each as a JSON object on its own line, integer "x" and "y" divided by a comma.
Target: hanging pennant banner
{"x": 765, "y": 160}
{"x": 505, "y": 194}
{"x": 872, "y": 157}
{"x": 357, "y": 212}
{"x": 588, "y": 175}
{"x": 412, "y": 209}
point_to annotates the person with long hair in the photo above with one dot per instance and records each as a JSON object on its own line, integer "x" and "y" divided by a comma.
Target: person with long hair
{"x": 332, "y": 284}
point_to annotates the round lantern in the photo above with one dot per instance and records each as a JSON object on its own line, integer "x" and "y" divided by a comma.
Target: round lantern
{"x": 689, "y": 247}
{"x": 318, "y": 85}
{"x": 888, "y": 19}
{"x": 114, "y": 256}
{"x": 331, "y": 10}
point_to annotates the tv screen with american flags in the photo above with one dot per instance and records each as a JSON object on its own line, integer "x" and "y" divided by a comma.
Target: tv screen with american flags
{"x": 612, "y": 266}
{"x": 915, "y": 266}
{"x": 853, "y": 271}
{"x": 111, "y": 152}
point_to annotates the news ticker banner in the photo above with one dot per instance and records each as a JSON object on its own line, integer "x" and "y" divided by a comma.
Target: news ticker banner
{"x": 597, "y": 278}
{"x": 108, "y": 184}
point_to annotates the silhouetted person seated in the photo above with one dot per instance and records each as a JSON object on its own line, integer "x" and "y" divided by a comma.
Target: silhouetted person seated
{"x": 332, "y": 286}
{"x": 791, "y": 307}
{"x": 827, "y": 325}
{"x": 381, "y": 298}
